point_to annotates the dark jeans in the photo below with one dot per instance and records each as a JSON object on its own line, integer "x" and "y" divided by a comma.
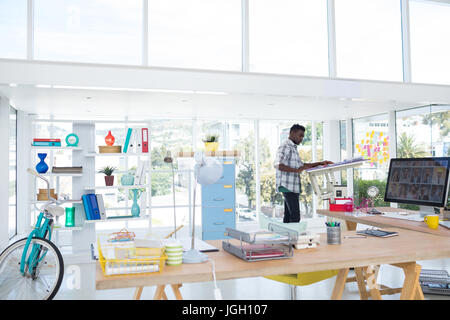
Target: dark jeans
{"x": 291, "y": 207}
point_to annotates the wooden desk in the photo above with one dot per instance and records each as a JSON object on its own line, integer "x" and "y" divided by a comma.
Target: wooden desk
{"x": 403, "y": 250}
{"x": 384, "y": 222}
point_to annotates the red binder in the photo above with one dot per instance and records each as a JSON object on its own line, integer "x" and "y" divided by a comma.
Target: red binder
{"x": 144, "y": 140}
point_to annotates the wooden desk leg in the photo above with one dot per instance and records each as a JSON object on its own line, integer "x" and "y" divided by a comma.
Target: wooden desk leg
{"x": 176, "y": 291}
{"x": 159, "y": 293}
{"x": 138, "y": 293}
{"x": 371, "y": 279}
{"x": 338, "y": 289}
{"x": 361, "y": 283}
{"x": 411, "y": 287}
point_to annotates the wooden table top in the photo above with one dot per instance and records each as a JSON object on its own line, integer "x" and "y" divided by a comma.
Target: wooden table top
{"x": 386, "y": 222}
{"x": 408, "y": 246}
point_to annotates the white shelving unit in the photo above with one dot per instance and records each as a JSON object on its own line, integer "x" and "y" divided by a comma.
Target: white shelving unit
{"x": 83, "y": 234}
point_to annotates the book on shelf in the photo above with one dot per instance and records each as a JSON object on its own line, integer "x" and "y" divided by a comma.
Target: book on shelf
{"x": 137, "y": 140}
{"x": 101, "y": 206}
{"x": 87, "y": 207}
{"x": 127, "y": 140}
{"x": 46, "y": 144}
{"x": 94, "y": 205}
{"x": 67, "y": 169}
{"x": 91, "y": 206}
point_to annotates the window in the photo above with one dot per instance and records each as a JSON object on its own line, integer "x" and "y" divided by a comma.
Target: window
{"x": 430, "y": 41}
{"x": 12, "y": 219}
{"x": 371, "y": 141}
{"x": 89, "y": 31}
{"x": 13, "y": 29}
{"x": 368, "y": 39}
{"x": 288, "y": 37}
{"x": 430, "y": 137}
{"x": 203, "y": 34}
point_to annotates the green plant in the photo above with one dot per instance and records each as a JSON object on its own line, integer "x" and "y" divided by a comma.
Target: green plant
{"x": 211, "y": 138}
{"x": 107, "y": 170}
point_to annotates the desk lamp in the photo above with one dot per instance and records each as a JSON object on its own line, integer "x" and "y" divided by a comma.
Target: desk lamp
{"x": 207, "y": 170}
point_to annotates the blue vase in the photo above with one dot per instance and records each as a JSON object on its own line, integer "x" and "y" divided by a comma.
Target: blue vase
{"x": 42, "y": 167}
{"x": 135, "y": 210}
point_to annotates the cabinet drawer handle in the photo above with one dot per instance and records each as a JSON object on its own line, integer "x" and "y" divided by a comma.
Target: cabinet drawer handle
{"x": 227, "y": 210}
{"x": 227, "y": 162}
{"x": 218, "y": 199}
{"x": 218, "y": 223}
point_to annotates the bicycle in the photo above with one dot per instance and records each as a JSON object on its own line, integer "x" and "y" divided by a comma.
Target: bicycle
{"x": 33, "y": 268}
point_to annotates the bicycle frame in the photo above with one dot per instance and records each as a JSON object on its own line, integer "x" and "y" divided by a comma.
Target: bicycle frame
{"x": 41, "y": 229}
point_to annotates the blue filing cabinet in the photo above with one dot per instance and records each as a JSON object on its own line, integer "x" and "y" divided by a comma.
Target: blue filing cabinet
{"x": 219, "y": 204}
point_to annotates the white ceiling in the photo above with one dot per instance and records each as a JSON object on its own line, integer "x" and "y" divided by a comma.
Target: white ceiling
{"x": 103, "y": 103}
{"x": 101, "y": 91}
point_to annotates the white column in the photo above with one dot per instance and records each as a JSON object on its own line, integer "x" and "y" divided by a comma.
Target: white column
{"x": 24, "y": 179}
{"x": 349, "y": 143}
{"x": 4, "y": 172}
{"x": 392, "y": 125}
{"x": 257, "y": 169}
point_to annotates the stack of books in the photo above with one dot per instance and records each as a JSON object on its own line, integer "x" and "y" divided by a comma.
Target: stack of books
{"x": 94, "y": 207}
{"x": 46, "y": 142}
{"x": 67, "y": 169}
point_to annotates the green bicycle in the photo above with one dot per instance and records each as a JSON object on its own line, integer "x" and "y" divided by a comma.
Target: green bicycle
{"x": 32, "y": 268}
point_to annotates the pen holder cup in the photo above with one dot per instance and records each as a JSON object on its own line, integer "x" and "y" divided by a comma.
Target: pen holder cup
{"x": 334, "y": 235}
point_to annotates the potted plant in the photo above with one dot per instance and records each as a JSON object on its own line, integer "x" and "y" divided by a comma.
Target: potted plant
{"x": 211, "y": 142}
{"x": 109, "y": 178}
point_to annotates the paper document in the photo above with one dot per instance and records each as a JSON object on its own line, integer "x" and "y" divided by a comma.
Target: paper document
{"x": 199, "y": 245}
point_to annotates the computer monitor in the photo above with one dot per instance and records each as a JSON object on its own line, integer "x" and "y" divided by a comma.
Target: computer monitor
{"x": 420, "y": 181}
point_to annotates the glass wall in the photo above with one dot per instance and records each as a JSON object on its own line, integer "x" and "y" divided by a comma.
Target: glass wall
{"x": 88, "y": 31}
{"x": 282, "y": 37}
{"x": 12, "y": 218}
{"x": 430, "y": 31}
{"x": 13, "y": 29}
{"x": 204, "y": 34}
{"x": 367, "y": 48}
{"x": 288, "y": 36}
{"x": 371, "y": 141}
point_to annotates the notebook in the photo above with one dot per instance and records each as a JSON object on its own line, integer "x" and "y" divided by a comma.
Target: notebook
{"x": 377, "y": 233}
{"x": 445, "y": 224}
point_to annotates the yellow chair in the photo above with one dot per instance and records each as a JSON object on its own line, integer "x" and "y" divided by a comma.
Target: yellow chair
{"x": 302, "y": 279}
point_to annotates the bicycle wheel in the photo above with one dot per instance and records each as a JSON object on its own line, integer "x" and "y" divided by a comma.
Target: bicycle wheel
{"x": 40, "y": 282}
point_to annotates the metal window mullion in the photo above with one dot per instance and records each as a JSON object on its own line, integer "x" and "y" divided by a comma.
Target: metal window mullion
{"x": 331, "y": 27}
{"x": 245, "y": 35}
{"x": 314, "y": 159}
{"x": 30, "y": 29}
{"x": 406, "y": 40}
{"x": 145, "y": 32}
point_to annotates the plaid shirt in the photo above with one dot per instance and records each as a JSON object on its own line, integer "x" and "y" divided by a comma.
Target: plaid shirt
{"x": 287, "y": 154}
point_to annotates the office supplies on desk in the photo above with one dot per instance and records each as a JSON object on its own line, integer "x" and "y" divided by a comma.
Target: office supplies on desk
{"x": 377, "y": 233}
{"x": 276, "y": 243}
{"x": 333, "y": 233}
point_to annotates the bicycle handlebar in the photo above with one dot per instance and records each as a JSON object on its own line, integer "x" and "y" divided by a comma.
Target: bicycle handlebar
{"x": 34, "y": 173}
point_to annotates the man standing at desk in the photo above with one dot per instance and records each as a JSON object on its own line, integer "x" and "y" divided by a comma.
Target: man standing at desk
{"x": 288, "y": 166}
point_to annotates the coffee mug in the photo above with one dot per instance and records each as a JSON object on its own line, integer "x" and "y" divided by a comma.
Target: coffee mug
{"x": 432, "y": 221}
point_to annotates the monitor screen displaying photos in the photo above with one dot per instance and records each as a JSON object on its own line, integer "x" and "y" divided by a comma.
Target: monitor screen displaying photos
{"x": 421, "y": 181}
